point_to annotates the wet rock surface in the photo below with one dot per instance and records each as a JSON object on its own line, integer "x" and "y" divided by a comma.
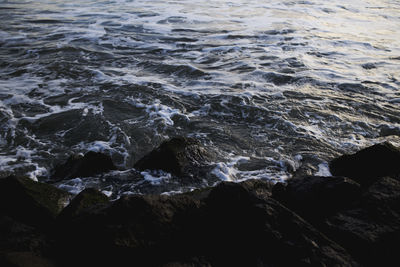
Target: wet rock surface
{"x": 90, "y": 164}
{"x": 315, "y": 197}
{"x": 368, "y": 164}
{"x": 180, "y": 156}
{"x": 33, "y": 203}
{"x": 310, "y": 221}
{"x": 227, "y": 225}
{"x": 370, "y": 228}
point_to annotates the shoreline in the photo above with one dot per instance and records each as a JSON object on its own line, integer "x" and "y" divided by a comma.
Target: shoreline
{"x": 349, "y": 219}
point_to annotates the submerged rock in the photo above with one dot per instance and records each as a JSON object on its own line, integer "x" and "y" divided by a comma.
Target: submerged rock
{"x": 179, "y": 156}
{"x": 370, "y": 228}
{"x": 315, "y": 197}
{"x": 33, "y": 203}
{"x": 92, "y": 163}
{"x": 368, "y": 164}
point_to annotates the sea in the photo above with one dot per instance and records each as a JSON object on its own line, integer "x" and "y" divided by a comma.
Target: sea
{"x": 274, "y": 88}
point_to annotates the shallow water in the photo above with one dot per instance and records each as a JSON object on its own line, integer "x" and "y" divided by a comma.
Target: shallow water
{"x": 271, "y": 86}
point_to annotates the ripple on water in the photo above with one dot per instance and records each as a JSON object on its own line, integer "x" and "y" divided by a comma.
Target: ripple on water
{"x": 277, "y": 89}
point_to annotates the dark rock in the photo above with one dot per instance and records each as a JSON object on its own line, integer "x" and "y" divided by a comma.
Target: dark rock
{"x": 143, "y": 230}
{"x": 89, "y": 198}
{"x": 260, "y": 188}
{"x": 16, "y": 236}
{"x": 224, "y": 226}
{"x": 244, "y": 230}
{"x": 368, "y": 66}
{"x": 24, "y": 259}
{"x": 91, "y": 164}
{"x": 370, "y": 229}
{"x": 179, "y": 156}
{"x": 315, "y": 197}
{"x": 368, "y": 164}
{"x": 33, "y": 203}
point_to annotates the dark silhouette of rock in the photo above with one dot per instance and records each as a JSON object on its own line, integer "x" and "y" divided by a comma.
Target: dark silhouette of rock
{"x": 89, "y": 198}
{"x": 228, "y": 225}
{"x": 370, "y": 228}
{"x": 315, "y": 197}
{"x": 27, "y": 214}
{"x": 92, "y": 163}
{"x": 260, "y": 188}
{"x": 368, "y": 164}
{"x": 17, "y": 236}
{"x": 271, "y": 234}
{"x": 33, "y": 203}
{"x": 24, "y": 259}
{"x": 179, "y": 156}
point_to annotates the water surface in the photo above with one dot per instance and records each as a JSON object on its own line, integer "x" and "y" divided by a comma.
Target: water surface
{"x": 271, "y": 86}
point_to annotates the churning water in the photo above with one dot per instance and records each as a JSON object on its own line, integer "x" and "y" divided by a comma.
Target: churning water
{"x": 271, "y": 86}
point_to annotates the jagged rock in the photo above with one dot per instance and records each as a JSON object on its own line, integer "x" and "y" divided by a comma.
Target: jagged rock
{"x": 89, "y": 198}
{"x": 179, "y": 156}
{"x": 92, "y": 163}
{"x": 260, "y": 188}
{"x": 368, "y": 164}
{"x": 33, "y": 203}
{"x": 370, "y": 229}
{"x": 315, "y": 197}
{"x": 224, "y": 226}
{"x": 17, "y": 236}
{"x": 270, "y": 233}
{"x": 24, "y": 259}
{"x": 142, "y": 230}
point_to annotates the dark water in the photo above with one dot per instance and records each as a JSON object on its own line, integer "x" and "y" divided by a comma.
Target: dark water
{"x": 271, "y": 86}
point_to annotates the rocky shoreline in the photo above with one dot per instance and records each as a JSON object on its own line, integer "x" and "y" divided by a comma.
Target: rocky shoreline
{"x": 349, "y": 219}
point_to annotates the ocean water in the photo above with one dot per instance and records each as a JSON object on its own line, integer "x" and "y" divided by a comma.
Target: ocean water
{"x": 273, "y": 87}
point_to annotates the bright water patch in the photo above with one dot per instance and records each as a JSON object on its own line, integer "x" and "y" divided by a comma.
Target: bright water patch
{"x": 286, "y": 85}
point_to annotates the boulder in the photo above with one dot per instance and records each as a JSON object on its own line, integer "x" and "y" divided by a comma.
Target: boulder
{"x": 260, "y": 188}
{"x": 89, "y": 198}
{"x": 92, "y": 163}
{"x": 316, "y": 197}
{"x": 142, "y": 230}
{"x": 368, "y": 164}
{"x": 33, "y": 203}
{"x": 17, "y": 236}
{"x": 370, "y": 228}
{"x": 180, "y": 156}
{"x": 24, "y": 259}
{"x": 228, "y": 225}
{"x": 244, "y": 230}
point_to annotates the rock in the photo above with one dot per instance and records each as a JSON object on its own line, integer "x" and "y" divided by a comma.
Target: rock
{"x": 315, "y": 197}
{"x": 16, "y": 236}
{"x": 368, "y": 164}
{"x": 224, "y": 226}
{"x": 91, "y": 164}
{"x": 370, "y": 228}
{"x": 89, "y": 198}
{"x": 33, "y": 203}
{"x": 244, "y": 230}
{"x": 24, "y": 259}
{"x": 179, "y": 156}
{"x": 143, "y": 230}
{"x": 260, "y": 188}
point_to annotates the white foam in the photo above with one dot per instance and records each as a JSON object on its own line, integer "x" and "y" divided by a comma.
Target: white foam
{"x": 227, "y": 171}
{"x": 323, "y": 170}
{"x": 156, "y": 177}
{"x": 73, "y": 186}
{"x": 158, "y": 111}
{"x": 99, "y": 146}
